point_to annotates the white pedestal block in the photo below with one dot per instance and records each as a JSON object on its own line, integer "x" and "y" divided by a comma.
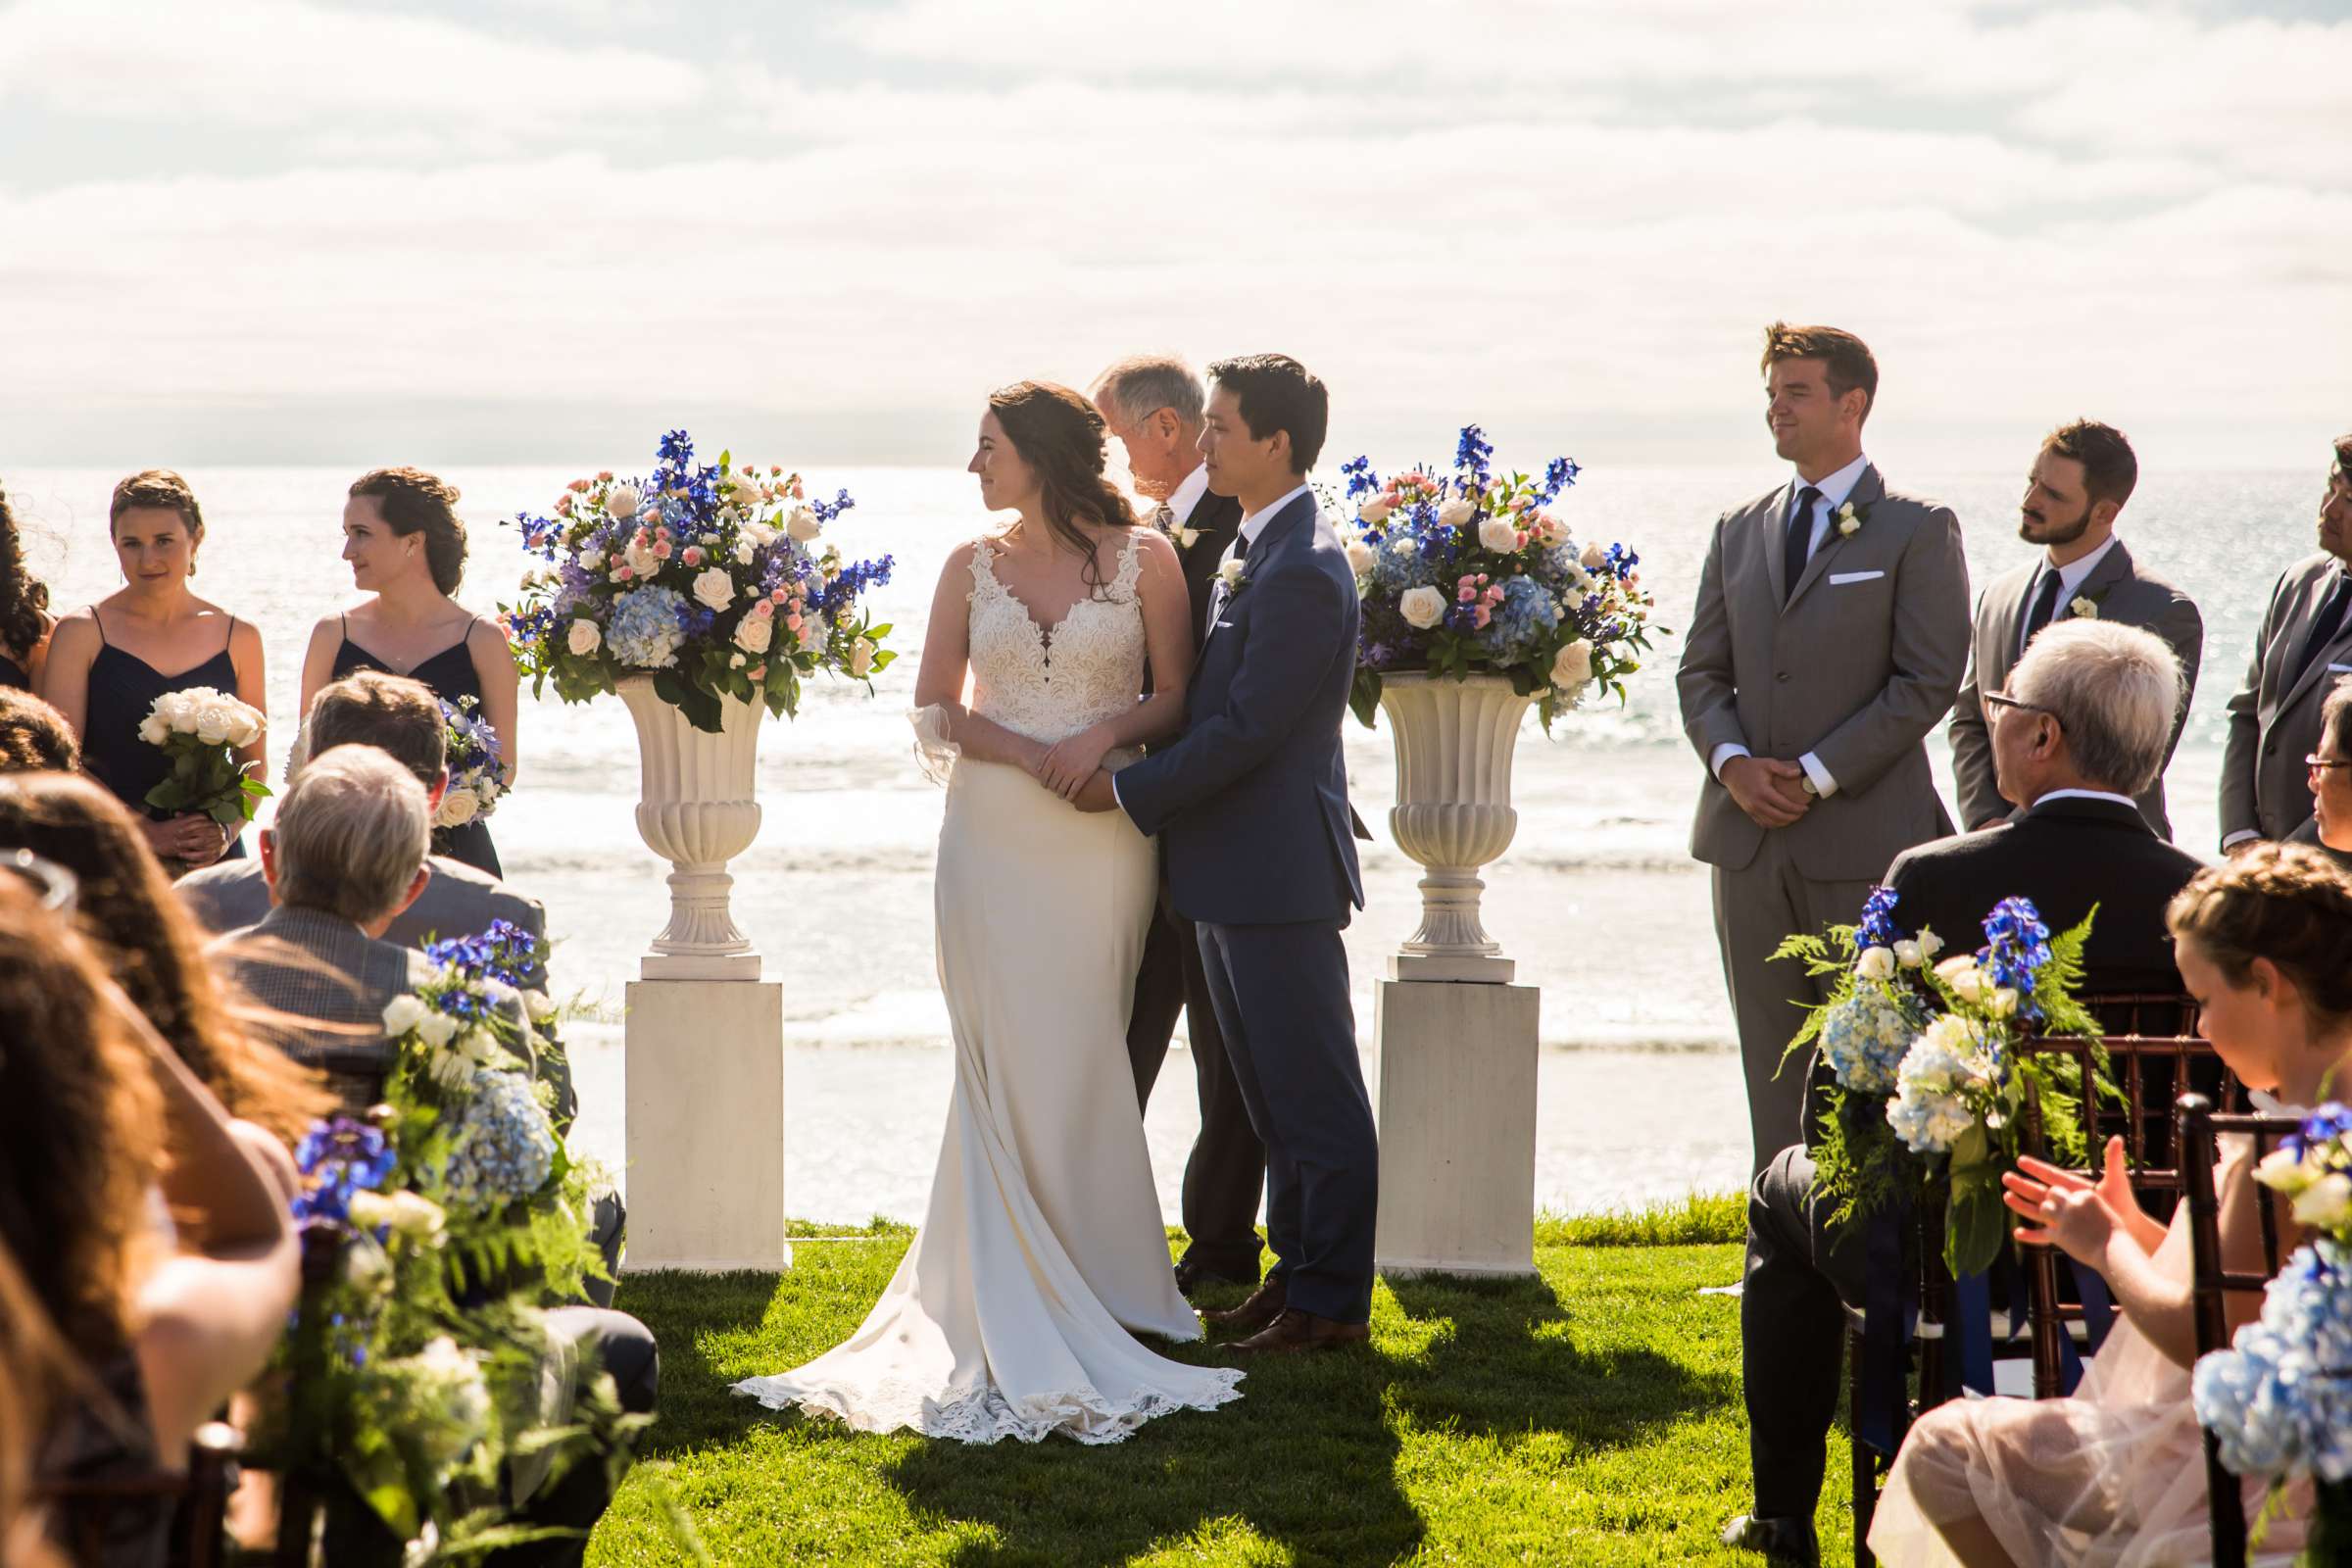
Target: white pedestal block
{"x": 1457, "y": 1127}
{"x": 706, "y": 1125}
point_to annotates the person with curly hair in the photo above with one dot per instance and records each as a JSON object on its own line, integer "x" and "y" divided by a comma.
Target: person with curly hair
{"x": 25, "y": 619}
{"x": 407, "y": 545}
{"x": 109, "y": 661}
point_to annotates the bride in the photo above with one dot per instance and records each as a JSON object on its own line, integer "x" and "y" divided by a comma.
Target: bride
{"x": 1042, "y": 1251}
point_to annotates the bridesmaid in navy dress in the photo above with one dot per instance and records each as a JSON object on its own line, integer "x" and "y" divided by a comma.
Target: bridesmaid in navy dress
{"x": 24, "y": 622}
{"x": 404, "y": 542}
{"x": 109, "y": 661}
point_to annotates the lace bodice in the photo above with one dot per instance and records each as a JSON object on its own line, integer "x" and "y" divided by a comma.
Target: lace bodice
{"x": 1048, "y": 684}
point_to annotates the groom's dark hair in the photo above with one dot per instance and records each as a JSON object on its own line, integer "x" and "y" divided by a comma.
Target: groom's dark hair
{"x": 1277, "y": 393}
{"x": 1845, "y": 360}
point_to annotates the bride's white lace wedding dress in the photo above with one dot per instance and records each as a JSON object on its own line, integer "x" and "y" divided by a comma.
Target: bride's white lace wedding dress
{"x": 1043, "y": 1245}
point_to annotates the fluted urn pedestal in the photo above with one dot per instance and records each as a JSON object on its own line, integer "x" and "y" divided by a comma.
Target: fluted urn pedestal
{"x": 704, "y": 1037}
{"x": 1457, "y": 1039}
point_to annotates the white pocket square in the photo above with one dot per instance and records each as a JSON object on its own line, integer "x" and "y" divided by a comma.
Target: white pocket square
{"x": 1838, "y": 579}
{"x": 2338, "y": 669}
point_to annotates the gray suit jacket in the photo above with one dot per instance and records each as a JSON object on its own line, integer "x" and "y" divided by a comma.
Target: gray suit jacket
{"x": 1857, "y": 667}
{"x": 457, "y": 902}
{"x": 2123, "y": 593}
{"x": 2274, "y": 720}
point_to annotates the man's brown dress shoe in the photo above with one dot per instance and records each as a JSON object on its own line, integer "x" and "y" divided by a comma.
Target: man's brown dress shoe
{"x": 1301, "y": 1331}
{"x": 1264, "y": 1305}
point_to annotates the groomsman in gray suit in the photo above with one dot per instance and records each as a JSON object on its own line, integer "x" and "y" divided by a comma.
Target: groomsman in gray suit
{"x": 2304, "y": 647}
{"x": 2082, "y": 478}
{"x": 1830, "y": 636}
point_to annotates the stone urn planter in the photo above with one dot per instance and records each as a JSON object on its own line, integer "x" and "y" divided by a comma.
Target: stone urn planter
{"x": 1455, "y": 741}
{"x": 697, "y": 809}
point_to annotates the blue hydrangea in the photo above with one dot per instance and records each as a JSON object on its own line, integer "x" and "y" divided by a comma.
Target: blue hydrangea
{"x": 1521, "y": 622}
{"x": 1398, "y": 569}
{"x": 1864, "y": 1037}
{"x": 2279, "y": 1400}
{"x": 504, "y": 1148}
{"x": 645, "y": 630}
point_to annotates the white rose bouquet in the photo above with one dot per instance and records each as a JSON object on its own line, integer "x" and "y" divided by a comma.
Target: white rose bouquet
{"x": 1471, "y": 573}
{"x": 714, "y": 581}
{"x": 201, "y": 731}
{"x": 1929, "y": 1082}
{"x": 477, "y": 780}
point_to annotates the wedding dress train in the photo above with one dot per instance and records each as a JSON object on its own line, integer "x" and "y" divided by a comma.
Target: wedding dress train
{"x": 1042, "y": 1248}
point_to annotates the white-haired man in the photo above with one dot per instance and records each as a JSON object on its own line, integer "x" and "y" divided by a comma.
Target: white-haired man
{"x": 2081, "y": 731}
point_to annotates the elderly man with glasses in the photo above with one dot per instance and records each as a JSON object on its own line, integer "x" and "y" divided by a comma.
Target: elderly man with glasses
{"x": 2329, "y": 770}
{"x": 2081, "y": 730}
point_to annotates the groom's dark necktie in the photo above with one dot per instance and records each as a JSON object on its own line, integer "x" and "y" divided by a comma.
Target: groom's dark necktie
{"x": 2326, "y": 625}
{"x": 1796, "y": 545}
{"x": 2045, "y": 605}
{"x": 1241, "y": 546}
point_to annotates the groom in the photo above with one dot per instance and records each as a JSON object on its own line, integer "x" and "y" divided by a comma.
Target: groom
{"x": 1254, "y": 803}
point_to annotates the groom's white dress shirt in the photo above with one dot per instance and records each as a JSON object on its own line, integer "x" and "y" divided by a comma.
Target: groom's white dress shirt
{"x": 1834, "y": 488}
{"x": 1185, "y": 499}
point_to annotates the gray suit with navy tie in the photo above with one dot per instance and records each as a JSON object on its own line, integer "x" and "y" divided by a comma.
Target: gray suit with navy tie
{"x": 2275, "y": 716}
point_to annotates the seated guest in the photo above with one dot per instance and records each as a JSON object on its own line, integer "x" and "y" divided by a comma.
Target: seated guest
{"x": 34, "y": 738}
{"x": 102, "y": 1134}
{"x": 2116, "y": 1473}
{"x": 2330, "y": 829}
{"x": 2081, "y": 730}
{"x": 153, "y": 950}
{"x": 401, "y": 717}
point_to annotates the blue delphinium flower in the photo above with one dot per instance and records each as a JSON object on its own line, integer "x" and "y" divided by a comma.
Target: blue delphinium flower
{"x": 1558, "y": 475}
{"x": 502, "y": 1148}
{"x": 645, "y": 630}
{"x": 2017, "y": 946}
{"x": 1877, "y": 928}
{"x": 1362, "y": 480}
{"x": 1472, "y": 456}
{"x": 342, "y": 1157}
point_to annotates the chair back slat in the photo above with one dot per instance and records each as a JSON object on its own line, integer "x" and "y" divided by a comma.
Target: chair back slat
{"x": 79, "y": 1506}
{"x": 2201, "y": 1130}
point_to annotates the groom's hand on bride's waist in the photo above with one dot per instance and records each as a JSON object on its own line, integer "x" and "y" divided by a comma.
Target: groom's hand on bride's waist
{"x": 1095, "y": 795}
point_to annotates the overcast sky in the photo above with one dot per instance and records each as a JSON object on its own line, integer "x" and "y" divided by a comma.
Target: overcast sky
{"x": 257, "y": 230}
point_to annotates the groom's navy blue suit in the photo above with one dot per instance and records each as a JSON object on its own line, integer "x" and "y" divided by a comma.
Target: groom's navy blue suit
{"x": 1253, "y": 803}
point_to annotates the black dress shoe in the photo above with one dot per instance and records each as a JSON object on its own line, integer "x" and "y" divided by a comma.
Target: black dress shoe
{"x": 1781, "y": 1541}
{"x": 1191, "y": 1276}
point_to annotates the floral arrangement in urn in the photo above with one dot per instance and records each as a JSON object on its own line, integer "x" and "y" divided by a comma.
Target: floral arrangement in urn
{"x": 1930, "y": 1084}
{"x": 2278, "y": 1401}
{"x": 1470, "y": 572}
{"x": 713, "y": 579}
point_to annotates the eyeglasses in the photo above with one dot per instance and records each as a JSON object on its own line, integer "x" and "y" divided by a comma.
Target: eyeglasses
{"x": 2320, "y": 765}
{"x": 1992, "y": 700}
{"x": 52, "y": 883}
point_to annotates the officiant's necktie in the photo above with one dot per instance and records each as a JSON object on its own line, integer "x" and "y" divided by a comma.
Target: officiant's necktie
{"x": 2326, "y": 624}
{"x": 2045, "y": 605}
{"x": 1796, "y": 545}
{"x": 1163, "y": 518}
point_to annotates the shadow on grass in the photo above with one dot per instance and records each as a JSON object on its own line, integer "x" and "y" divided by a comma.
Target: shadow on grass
{"x": 1505, "y": 1361}
{"x": 686, "y": 1311}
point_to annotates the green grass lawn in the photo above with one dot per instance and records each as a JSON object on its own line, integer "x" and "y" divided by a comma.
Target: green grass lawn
{"x": 1588, "y": 1416}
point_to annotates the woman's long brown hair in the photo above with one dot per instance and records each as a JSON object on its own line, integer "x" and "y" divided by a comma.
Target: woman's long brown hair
{"x": 153, "y": 949}
{"x": 1060, "y": 435}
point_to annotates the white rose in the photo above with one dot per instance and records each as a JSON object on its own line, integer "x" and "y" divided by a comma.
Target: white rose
{"x": 638, "y": 556}
{"x": 1375, "y": 511}
{"x": 1572, "y": 667}
{"x": 1229, "y": 572}
{"x": 2283, "y": 1169}
{"x": 540, "y": 1006}
{"x": 585, "y": 638}
{"x": 714, "y": 588}
{"x": 480, "y": 1044}
{"x": 1907, "y": 953}
{"x": 861, "y": 658}
{"x": 1361, "y": 556}
{"x": 248, "y": 727}
{"x": 1876, "y": 964}
{"x": 1595, "y": 558}
{"x": 744, "y": 490}
{"x": 1421, "y": 608}
{"x": 212, "y": 722}
{"x": 2326, "y": 1204}
{"x": 1930, "y": 944}
{"x": 458, "y": 806}
{"x": 1579, "y": 579}
{"x": 437, "y": 1029}
{"x": 621, "y": 502}
{"x": 2085, "y": 609}
{"x": 1960, "y": 973}
{"x": 745, "y": 550}
{"x": 755, "y": 633}
{"x": 2002, "y": 1003}
{"x": 1848, "y": 522}
{"x": 154, "y": 731}
{"x": 1456, "y": 514}
{"x": 1498, "y": 534}
{"x": 364, "y": 1265}
{"x": 1403, "y": 544}
{"x": 415, "y": 1215}
{"x": 400, "y": 1014}
{"x": 803, "y": 525}
{"x": 371, "y": 1209}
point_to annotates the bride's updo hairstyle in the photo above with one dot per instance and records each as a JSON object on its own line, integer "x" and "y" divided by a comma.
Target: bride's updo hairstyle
{"x": 416, "y": 502}
{"x": 1060, "y": 435}
{"x": 2281, "y": 901}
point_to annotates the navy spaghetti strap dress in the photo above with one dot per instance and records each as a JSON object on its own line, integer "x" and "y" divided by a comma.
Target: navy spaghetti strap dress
{"x": 449, "y": 674}
{"x": 124, "y": 688}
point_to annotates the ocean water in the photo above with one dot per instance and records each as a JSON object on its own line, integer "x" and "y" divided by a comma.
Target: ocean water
{"x": 1598, "y": 899}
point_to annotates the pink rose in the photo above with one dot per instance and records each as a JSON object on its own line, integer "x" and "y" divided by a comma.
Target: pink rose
{"x": 578, "y": 487}
{"x": 797, "y": 494}
{"x": 1466, "y": 592}
{"x": 623, "y": 574}
{"x": 776, "y": 596}
{"x": 604, "y": 475}
{"x": 1485, "y": 615}
{"x": 661, "y": 546}
{"x": 693, "y": 555}
{"x": 762, "y": 608}
{"x": 564, "y": 506}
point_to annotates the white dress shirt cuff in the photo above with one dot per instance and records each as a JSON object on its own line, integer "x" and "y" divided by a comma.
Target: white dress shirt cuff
{"x": 1114, "y": 793}
{"x": 2232, "y": 840}
{"x": 1823, "y": 785}
{"x": 1724, "y": 754}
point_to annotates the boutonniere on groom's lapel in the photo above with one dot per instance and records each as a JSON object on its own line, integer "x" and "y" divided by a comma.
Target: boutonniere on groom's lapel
{"x": 1233, "y": 574}
{"x": 1849, "y": 519}
{"x": 2085, "y": 607}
